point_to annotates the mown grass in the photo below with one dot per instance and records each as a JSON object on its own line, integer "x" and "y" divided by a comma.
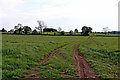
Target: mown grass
{"x": 22, "y": 52}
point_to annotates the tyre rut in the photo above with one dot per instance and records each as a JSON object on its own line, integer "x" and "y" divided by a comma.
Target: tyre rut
{"x": 32, "y": 71}
{"x": 80, "y": 64}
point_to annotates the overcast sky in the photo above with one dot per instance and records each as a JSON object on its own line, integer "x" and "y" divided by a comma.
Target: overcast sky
{"x": 67, "y": 14}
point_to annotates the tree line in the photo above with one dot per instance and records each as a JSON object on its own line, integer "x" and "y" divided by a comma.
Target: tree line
{"x": 42, "y": 27}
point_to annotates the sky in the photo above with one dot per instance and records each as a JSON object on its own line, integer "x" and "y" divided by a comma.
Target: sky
{"x": 67, "y": 14}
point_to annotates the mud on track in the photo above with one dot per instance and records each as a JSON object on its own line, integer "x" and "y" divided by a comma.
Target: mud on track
{"x": 46, "y": 58}
{"x": 80, "y": 64}
{"x": 32, "y": 71}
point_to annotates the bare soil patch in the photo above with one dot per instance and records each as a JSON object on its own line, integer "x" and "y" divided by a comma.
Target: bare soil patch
{"x": 80, "y": 64}
{"x": 46, "y": 58}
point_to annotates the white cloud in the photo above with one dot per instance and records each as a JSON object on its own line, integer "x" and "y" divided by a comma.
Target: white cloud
{"x": 64, "y": 13}
{"x": 10, "y": 4}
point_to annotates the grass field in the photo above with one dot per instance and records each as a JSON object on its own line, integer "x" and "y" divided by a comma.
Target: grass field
{"x": 102, "y": 54}
{"x": 21, "y": 52}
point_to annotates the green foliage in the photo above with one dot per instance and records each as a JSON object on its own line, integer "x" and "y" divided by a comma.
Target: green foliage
{"x": 76, "y": 30}
{"x": 62, "y": 33}
{"x": 34, "y": 31}
{"x": 86, "y": 30}
{"x": 49, "y": 30}
{"x": 3, "y": 30}
{"x": 71, "y": 32}
{"x": 26, "y": 29}
{"x": 33, "y": 75}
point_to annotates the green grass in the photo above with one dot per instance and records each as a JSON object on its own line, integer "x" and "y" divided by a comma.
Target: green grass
{"x": 102, "y": 34}
{"x": 61, "y": 62}
{"x": 21, "y": 52}
{"x": 102, "y": 56}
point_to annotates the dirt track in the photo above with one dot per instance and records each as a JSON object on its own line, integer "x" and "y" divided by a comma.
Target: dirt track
{"x": 32, "y": 71}
{"x": 80, "y": 64}
{"x": 46, "y": 58}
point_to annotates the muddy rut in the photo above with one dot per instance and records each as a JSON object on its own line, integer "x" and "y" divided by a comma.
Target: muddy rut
{"x": 46, "y": 58}
{"x": 80, "y": 64}
{"x": 33, "y": 70}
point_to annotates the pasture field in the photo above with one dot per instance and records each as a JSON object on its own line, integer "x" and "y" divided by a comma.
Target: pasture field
{"x": 22, "y": 52}
{"x": 109, "y": 35}
{"x": 102, "y": 54}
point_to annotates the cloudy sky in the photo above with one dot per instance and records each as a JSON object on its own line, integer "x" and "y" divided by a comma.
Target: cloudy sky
{"x": 67, "y": 14}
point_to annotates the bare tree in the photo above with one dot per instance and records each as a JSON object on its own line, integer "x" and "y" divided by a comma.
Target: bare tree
{"x": 106, "y": 29}
{"x": 41, "y": 25}
{"x": 59, "y": 29}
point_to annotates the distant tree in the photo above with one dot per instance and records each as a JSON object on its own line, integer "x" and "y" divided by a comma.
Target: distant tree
{"x": 71, "y": 32}
{"x": 12, "y": 30}
{"x": 54, "y": 33}
{"x": 76, "y": 30}
{"x": 26, "y": 29}
{"x": 86, "y": 30}
{"x": 34, "y": 31}
{"x": 18, "y": 28}
{"x": 59, "y": 29}
{"x": 62, "y": 33}
{"x": 49, "y": 30}
{"x": 41, "y": 25}
{"x": 106, "y": 29}
{"x": 3, "y": 30}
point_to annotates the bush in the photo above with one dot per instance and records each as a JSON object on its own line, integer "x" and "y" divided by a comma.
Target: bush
{"x": 33, "y": 75}
{"x": 62, "y": 33}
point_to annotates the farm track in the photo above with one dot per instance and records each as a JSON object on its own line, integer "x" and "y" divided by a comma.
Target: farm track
{"x": 80, "y": 64}
{"x": 32, "y": 71}
{"x": 46, "y": 58}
